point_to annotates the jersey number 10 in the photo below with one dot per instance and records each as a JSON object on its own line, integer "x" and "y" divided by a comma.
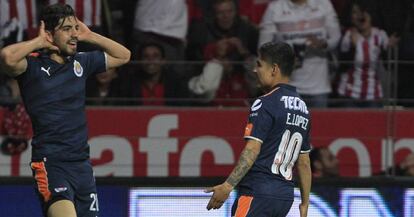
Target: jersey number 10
{"x": 287, "y": 154}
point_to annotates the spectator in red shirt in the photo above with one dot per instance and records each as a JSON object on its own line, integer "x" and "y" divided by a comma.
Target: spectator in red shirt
{"x": 231, "y": 41}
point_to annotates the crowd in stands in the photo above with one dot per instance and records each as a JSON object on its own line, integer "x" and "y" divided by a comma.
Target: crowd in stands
{"x": 202, "y": 53}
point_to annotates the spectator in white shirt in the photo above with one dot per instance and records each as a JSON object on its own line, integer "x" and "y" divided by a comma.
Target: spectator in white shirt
{"x": 312, "y": 28}
{"x": 162, "y": 22}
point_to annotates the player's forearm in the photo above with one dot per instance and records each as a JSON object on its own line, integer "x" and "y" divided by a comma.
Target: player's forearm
{"x": 110, "y": 47}
{"x": 246, "y": 161}
{"x": 305, "y": 180}
{"x": 14, "y": 53}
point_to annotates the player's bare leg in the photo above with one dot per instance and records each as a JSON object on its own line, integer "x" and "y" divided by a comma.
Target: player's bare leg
{"x": 62, "y": 208}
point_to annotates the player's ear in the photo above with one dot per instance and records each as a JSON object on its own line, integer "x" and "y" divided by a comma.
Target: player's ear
{"x": 49, "y": 36}
{"x": 275, "y": 69}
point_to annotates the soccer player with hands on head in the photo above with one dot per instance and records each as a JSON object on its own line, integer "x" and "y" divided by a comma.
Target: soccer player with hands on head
{"x": 52, "y": 83}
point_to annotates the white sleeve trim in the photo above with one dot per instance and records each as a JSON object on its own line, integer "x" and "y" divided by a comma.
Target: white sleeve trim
{"x": 306, "y": 151}
{"x": 254, "y": 138}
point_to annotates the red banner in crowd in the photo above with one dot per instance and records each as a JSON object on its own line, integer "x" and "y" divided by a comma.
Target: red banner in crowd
{"x": 207, "y": 142}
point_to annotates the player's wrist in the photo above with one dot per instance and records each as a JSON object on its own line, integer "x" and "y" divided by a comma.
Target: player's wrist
{"x": 89, "y": 37}
{"x": 228, "y": 185}
{"x": 38, "y": 43}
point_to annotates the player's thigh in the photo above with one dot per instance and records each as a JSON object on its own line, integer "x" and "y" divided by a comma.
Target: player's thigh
{"x": 62, "y": 208}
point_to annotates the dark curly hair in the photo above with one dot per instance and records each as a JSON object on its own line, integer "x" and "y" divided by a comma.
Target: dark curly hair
{"x": 279, "y": 53}
{"x": 52, "y": 14}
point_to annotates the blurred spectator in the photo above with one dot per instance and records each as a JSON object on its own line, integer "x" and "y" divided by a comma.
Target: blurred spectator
{"x": 202, "y": 9}
{"x": 388, "y": 15}
{"x": 219, "y": 85}
{"x": 225, "y": 37}
{"x": 253, "y": 10}
{"x": 227, "y": 30}
{"x": 16, "y": 126}
{"x": 11, "y": 32}
{"x": 150, "y": 83}
{"x": 406, "y": 53}
{"x": 103, "y": 89}
{"x": 323, "y": 163}
{"x": 363, "y": 44}
{"x": 18, "y": 17}
{"x": 250, "y": 10}
{"x": 197, "y": 9}
{"x": 407, "y": 165}
{"x": 340, "y": 7}
{"x": 312, "y": 28}
{"x": 405, "y": 168}
{"x": 162, "y": 22}
{"x": 18, "y": 21}
{"x": 89, "y": 12}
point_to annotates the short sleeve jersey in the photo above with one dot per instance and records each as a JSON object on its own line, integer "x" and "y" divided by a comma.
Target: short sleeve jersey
{"x": 54, "y": 97}
{"x": 280, "y": 121}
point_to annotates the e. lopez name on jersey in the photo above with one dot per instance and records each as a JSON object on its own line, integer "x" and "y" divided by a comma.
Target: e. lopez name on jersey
{"x": 296, "y": 104}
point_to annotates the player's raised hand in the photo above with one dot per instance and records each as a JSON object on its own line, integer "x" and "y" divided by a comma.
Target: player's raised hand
{"x": 45, "y": 40}
{"x": 84, "y": 31}
{"x": 220, "y": 195}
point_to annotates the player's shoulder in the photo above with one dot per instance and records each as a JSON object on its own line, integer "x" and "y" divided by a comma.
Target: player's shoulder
{"x": 82, "y": 54}
{"x": 34, "y": 56}
{"x": 87, "y": 54}
{"x": 34, "y": 59}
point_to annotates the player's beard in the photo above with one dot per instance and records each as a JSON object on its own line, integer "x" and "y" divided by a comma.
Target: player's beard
{"x": 69, "y": 50}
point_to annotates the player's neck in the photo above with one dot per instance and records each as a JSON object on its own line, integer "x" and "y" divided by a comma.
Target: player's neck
{"x": 283, "y": 80}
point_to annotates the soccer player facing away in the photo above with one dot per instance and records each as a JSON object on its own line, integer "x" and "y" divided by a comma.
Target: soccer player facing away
{"x": 277, "y": 135}
{"x": 52, "y": 85}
